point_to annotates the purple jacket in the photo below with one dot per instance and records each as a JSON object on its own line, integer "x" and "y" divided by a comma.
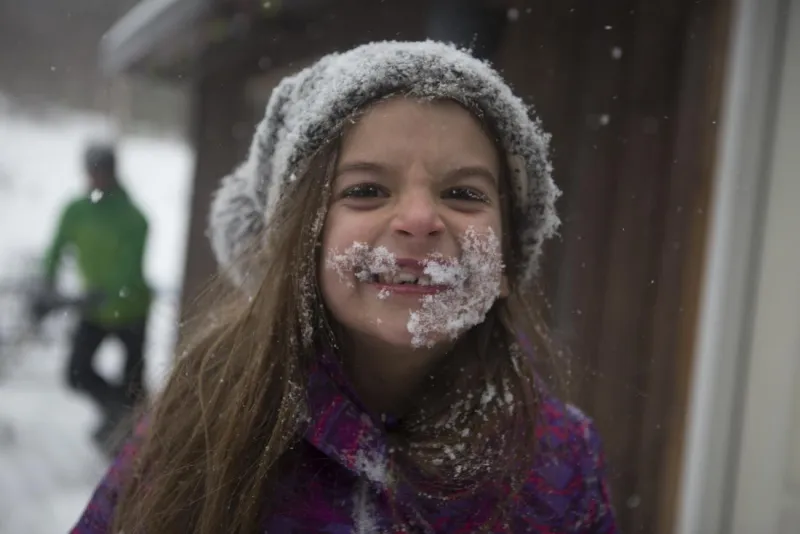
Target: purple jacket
{"x": 337, "y": 487}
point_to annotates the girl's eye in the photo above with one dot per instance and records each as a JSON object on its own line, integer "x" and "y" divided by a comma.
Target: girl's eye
{"x": 465, "y": 193}
{"x": 364, "y": 191}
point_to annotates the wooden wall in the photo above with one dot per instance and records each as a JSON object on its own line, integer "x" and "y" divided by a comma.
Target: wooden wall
{"x": 630, "y": 90}
{"x": 222, "y": 125}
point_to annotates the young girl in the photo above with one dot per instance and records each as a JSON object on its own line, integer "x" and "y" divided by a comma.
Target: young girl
{"x": 376, "y": 370}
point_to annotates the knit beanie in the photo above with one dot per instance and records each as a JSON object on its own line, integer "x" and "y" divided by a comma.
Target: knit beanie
{"x": 308, "y": 109}
{"x": 100, "y": 156}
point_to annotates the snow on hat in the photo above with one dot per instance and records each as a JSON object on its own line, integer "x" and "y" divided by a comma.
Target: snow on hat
{"x": 309, "y": 108}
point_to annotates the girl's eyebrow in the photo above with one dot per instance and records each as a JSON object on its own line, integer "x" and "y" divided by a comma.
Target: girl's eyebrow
{"x": 452, "y": 175}
{"x": 368, "y": 166}
{"x": 472, "y": 170}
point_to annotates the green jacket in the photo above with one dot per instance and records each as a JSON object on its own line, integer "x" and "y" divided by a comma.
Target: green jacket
{"x": 108, "y": 237}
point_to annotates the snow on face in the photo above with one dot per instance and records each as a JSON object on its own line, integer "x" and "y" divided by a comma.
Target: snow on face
{"x": 473, "y": 286}
{"x": 362, "y": 261}
{"x": 469, "y": 284}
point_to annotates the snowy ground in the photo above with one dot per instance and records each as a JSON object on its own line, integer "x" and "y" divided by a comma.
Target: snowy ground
{"x": 48, "y": 466}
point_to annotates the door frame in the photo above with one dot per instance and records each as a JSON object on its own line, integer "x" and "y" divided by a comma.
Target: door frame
{"x": 722, "y": 345}
{"x": 764, "y": 500}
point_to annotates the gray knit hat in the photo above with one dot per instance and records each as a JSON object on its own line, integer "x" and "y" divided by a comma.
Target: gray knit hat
{"x": 309, "y": 108}
{"x": 100, "y": 156}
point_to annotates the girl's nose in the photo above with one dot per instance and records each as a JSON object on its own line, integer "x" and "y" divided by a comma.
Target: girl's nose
{"x": 417, "y": 215}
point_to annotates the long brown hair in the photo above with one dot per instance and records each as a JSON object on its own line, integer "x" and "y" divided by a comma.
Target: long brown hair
{"x": 234, "y": 405}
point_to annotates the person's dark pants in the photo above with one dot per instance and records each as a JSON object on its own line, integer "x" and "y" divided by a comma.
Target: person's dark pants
{"x": 82, "y": 376}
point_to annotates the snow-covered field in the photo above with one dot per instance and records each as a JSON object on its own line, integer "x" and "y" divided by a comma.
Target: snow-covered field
{"x": 48, "y": 465}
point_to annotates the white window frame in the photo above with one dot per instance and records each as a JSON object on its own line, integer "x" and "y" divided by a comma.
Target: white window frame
{"x": 707, "y": 496}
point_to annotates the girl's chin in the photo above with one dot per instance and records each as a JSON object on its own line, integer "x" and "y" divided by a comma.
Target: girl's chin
{"x": 399, "y": 340}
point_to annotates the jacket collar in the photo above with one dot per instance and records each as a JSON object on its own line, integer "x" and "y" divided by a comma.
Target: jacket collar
{"x": 340, "y": 425}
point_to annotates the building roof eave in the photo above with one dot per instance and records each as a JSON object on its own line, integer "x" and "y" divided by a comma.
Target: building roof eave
{"x": 149, "y": 24}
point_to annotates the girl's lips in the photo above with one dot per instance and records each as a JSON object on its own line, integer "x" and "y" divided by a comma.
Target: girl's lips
{"x": 408, "y": 289}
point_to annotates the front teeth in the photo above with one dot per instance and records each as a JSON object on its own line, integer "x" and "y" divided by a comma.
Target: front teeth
{"x": 403, "y": 278}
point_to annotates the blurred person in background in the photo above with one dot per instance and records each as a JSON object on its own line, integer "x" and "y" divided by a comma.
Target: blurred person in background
{"x": 107, "y": 234}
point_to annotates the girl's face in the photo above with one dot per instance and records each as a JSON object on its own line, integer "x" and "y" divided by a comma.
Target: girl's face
{"x": 412, "y": 236}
